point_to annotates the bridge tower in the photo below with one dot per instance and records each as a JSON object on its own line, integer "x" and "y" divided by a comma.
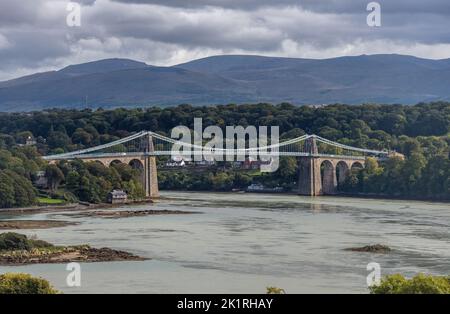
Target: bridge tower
{"x": 150, "y": 170}
{"x": 309, "y": 181}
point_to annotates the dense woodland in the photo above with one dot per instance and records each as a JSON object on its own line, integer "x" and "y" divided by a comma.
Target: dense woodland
{"x": 420, "y": 132}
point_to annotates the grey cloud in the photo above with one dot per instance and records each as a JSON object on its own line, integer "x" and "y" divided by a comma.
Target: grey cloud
{"x": 232, "y": 4}
{"x": 324, "y": 6}
{"x": 34, "y": 34}
{"x": 30, "y": 48}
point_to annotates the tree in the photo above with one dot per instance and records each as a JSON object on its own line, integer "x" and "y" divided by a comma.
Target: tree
{"x": 80, "y": 136}
{"x": 7, "y": 198}
{"x": 288, "y": 168}
{"x": 372, "y": 167}
{"x": 435, "y": 179}
{"x": 24, "y": 193}
{"x": 15, "y": 190}
{"x": 222, "y": 182}
{"x": 393, "y": 123}
{"x": 412, "y": 171}
{"x": 58, "y": 140}
{"x": 54, "y": 176}
{"x": 409, "y": 145}
{"x": 242, "y": 180}
{"x": 73, "y": 181}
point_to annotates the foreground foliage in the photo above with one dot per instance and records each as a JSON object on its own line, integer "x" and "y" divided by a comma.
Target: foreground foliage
{"x": 419, "y": 284}
{"x": 11, "y": 283}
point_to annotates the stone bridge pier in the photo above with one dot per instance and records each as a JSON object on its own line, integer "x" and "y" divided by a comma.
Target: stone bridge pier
{"x": 144, "y": 163}
{"x": 322, "y": 175}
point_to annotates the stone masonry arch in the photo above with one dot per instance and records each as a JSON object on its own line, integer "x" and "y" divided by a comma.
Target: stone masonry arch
{"x": 328, "y": 177}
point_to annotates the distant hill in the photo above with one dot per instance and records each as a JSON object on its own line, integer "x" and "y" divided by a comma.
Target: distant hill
{"x": 232, "y": 79}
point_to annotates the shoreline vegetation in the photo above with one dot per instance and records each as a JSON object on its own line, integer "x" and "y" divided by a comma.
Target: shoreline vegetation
{"x": 17, "y": 249}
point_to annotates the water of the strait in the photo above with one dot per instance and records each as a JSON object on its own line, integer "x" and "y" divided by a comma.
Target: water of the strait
{"x": 242, "y": 243}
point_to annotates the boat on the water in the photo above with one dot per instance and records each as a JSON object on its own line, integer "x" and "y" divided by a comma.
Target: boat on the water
{"x": 260, "y": 188}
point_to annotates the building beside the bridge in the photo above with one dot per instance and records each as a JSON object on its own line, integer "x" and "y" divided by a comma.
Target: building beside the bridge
{"x": 30, "y": 141}
{"x": 175, "y": 163}
{"x": 394, "y": 154}
{"x": 40, "y": 180}
{"x": 117, "y": 197}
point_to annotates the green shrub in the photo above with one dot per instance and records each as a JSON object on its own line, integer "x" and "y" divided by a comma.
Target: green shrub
{"x": 11, "y": 283}
{"x": 14, "y": 241}
{"x": 64, "y": 195}
{"x": 419, "y": 284}
{"x": 70, "y": 197}
{"x": 39, "y": 244}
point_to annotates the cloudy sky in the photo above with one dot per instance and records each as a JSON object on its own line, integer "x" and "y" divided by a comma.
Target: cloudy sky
{"x": 34, "y": 35}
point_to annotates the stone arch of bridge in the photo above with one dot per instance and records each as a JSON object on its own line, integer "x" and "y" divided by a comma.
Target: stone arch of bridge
{"x": 342, "y": 172}
{"x": 114, "y": 162}
{"x": 328, "y": 177}
{"x": 137, "y": 164}
{"x": 357, "y": 165}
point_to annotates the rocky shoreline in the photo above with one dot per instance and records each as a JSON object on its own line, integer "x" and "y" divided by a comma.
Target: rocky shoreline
{"x": 16, "y": 249}
{"x": 34, "y": 224}
{"x": 67, "y": 254}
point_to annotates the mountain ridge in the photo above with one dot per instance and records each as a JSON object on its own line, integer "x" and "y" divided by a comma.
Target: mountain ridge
{"x": 225, "y": 79}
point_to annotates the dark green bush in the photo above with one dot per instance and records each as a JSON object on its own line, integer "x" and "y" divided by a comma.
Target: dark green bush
{"x": 14, "y": 241}
{"x": 11, "y": 283}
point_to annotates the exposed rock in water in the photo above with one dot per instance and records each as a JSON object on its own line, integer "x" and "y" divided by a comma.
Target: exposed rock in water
{"x": 376, "y": 248}
{"x": 33, "y": 224}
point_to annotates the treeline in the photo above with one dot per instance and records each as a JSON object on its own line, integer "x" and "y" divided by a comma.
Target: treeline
{"x": 415, "y": 177}
{"x": 371, "y": 126}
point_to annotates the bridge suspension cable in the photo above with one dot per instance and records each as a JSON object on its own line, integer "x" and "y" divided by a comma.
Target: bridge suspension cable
{"x": 163, "y": 145}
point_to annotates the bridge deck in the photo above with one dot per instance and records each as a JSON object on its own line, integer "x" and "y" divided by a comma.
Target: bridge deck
{"x": 164, "y": 153}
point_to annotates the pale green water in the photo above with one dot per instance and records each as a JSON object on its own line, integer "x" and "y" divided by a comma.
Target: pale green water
{"x": 245, "y": 242}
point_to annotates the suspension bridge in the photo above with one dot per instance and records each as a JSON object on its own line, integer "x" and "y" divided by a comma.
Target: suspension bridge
{"x": 323, "y": 164}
